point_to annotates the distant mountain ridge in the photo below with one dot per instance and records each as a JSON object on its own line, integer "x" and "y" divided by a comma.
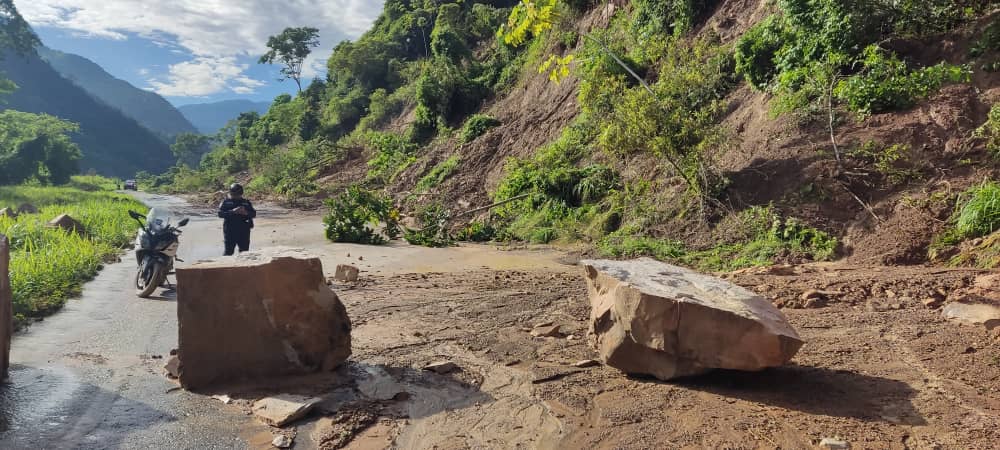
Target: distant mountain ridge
{"x": 148, "y": 108}
{"x": 209, "y": 118}
{"x": 112, "y": 143}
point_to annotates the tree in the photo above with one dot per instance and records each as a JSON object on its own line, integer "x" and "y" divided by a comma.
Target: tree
{"x": 36, "y": 146}
{"x": 189, "y": 147}
{"x": 15, "y": 33}
{"x": 291, "y": 48}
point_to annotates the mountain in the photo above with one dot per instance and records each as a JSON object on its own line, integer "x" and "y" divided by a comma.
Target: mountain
{"x": 112, "y": 143}
{"x": 209, "y": 118}
{"x": 148, "y": 108}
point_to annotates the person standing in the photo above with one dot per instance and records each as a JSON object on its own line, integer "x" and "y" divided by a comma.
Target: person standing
{"x": 238, "y": 215}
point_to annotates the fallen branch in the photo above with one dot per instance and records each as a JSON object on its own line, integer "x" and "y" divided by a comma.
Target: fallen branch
{"x": 484, "y": 208}
{"x": 862, "y": 202}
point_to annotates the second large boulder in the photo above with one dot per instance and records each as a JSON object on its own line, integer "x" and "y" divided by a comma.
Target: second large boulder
{"x": 651, "y": 318}
{"x": 258, "y": 315}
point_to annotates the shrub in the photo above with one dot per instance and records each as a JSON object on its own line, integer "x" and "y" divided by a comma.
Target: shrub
{"x": 979, "y": 214}
{"x": 889, "y": 161}
{"x": 392, "y": 154}
{"x": 477, "y": 232}
{"x": 886, "y": 84}
{"x": 353, "y": 213}
{"x": 438, "y": 174}
{"x": 476, "y": 126}
{"x": 434, "y": 219}
{"x": 990, "y": 131}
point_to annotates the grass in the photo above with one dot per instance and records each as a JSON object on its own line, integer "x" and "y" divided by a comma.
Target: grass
{"x": 980, "y": 215}
{"x": 48, "y": 266}
{"x": 438, "y": 174}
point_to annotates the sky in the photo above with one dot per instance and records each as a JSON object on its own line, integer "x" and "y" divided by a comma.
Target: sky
{"x": 195, "y": 51}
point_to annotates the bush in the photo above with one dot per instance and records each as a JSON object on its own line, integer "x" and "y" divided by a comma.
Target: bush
{"x": 979, "y": 214}
{"x": 438, "y": 174}
{"x": 352, "y": 214}
{"x": 477, "y": 232}
{"x": 476, "y": 126}
{"x": 886, "y": 84}
{"x": 890, "y": 161}
{"x": 434, "y": 219}
{"x": 990, "y": 131}
{"x": 392, "y": 154}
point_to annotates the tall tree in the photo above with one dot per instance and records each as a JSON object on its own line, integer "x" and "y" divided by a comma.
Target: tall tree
{"x": 188, "y": 147}
{"x": 15, "y": 33}
{"x": 290, "y": 48}
{"x": 36, "y": 146}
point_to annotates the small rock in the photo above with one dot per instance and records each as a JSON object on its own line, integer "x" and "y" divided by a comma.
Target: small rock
{"x": 7, "y": 212}
{"x": 27, "y": 208}
{"x": 361, "y": 258}
{"x": 442, "y": 367}
{"x": 933, "y": 302}
{"x": 549, "y": 331}
{"x": 512, "y": 362}
{"x": 173, "y": 367}
{"x": 280, "y": 410}
{"x": 544, "y": 324}
{"x": 571, "y": 337}
{"x": 834, "y": 444}
{"x": 173, "y": 352}
{"x": 67, "y": 223}
{"x": 586, "y": 363}
{"x": 225, "y": 399}
{"x": 346, "y": 273}
{"x": 282, "y": 441}
{"x": 969, "y": 350}
{"x": 890, "y": 294}
{"x": 896, "y": 306}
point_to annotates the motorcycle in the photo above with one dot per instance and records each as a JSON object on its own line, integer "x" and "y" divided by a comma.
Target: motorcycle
{"x": 155, "y": 250}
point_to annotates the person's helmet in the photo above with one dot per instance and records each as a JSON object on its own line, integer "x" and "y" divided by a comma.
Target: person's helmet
{"x": 236, "y": 189}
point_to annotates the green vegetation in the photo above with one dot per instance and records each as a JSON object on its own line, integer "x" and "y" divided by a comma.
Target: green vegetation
{"x": 354, "y": 212}
{"x": 767, "y": 236}
{"x": 291, "y": 48}
{"x": 990, "y": 131}
{"x": 979, "y": 214}
{"x": 49, "y": 265}
{"x": 477, "y": 125}
{"x": 36, "y": 147}
{"x": 438, "y": 174}
{"x": 890, "y": 161}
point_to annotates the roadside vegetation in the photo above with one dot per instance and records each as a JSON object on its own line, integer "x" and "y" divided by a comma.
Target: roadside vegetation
{"x": 639, "y": 164}
{"x": 49, "y": 265}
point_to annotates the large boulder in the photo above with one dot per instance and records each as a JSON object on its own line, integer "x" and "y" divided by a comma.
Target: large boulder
{"x": 651, "y": 318}
{"x": 6, "y": 307}
{"x": 261, "y": 314}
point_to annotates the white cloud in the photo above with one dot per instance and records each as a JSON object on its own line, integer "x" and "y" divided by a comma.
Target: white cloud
{"x": 212, "y": 31}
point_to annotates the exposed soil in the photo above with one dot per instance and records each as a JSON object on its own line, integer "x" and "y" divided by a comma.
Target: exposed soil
{"x": 879, "y": 370}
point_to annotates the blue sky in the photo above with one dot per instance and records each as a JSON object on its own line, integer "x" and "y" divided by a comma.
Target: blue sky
{"x": 190, "y": 53}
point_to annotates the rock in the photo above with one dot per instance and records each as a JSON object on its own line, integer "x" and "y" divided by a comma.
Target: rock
{"x": 379, "y": 385}
{"x": 547, "y": 323}
{"x": 27, "y": 208}
{"x": 257, "y": 315}
{"x": 6, "y": 307}
{"x": 549, "y": 331}
{"x": 586, "y": 363}
{"x": 834, "y": 444}
{"x": 7, "y": 212}
{"x": 346, "y": 273}
{"x": 441, "y": 367}
{"x": 651, "y": 318}
{"x": 67, "y": 223}
{"x": 978, "y": 304}
{"x": 225, "y": 399}
{"x": 173, "y": 367}
{"x": 280, "y": 410}
{"x": 932, "y": 302}
{"x": 282, "y": 441}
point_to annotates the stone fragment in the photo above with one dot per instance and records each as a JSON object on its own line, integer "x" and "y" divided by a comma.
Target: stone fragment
{"x": 932, "y": 302}
{"x": 346, "y": 273}
{"x": 978, "y": 304}
{"x": 27, "y": 208}
{"x": 441, "y": 367}
{"x": 6, "y": 307}
{"x": 258, "y": 315}
{"x": 651, "y": 318}
{"x": 281, "y": 410}
{"x": 549, "y": 331}
{"x": 173, "y": 367}
{"x": 7, "y": 212}
{"x": 282, "y": 441}
{"x": 834, "y": 444}
{"x": 67, "y": 223}
{"x": 225, "y": 399}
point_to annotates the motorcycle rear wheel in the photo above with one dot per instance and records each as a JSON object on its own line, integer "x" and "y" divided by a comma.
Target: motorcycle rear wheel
{"x": 146, "y": 284}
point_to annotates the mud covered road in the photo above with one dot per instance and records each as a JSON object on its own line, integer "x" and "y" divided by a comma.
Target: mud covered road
{"x": 879, "y": 370}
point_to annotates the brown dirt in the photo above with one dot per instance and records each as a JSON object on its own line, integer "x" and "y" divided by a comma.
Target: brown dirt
{"x": 879, "y": 369}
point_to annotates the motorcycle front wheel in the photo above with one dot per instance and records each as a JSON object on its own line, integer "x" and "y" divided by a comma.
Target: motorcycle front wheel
{"x": 148, "y": 277}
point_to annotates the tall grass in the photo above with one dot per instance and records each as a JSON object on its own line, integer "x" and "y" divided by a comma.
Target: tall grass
{"x": 48, "y": 265}
{"x": 980, "y": 214}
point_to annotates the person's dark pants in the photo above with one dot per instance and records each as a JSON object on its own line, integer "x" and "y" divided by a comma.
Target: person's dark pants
{"x": 237, "y": 239}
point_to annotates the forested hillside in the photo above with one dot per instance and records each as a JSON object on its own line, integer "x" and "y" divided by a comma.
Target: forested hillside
{"x": 111, "y": 143}
{"x": 209, "y": 118}
{"x": 147, "y": 108}
{"x": 720, "y": 134}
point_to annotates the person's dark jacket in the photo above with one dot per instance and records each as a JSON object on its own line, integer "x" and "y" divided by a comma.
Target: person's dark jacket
{"x": 235, "y": 223}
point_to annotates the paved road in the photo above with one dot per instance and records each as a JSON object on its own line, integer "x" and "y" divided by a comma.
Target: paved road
{"x": 86, "y": 377}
